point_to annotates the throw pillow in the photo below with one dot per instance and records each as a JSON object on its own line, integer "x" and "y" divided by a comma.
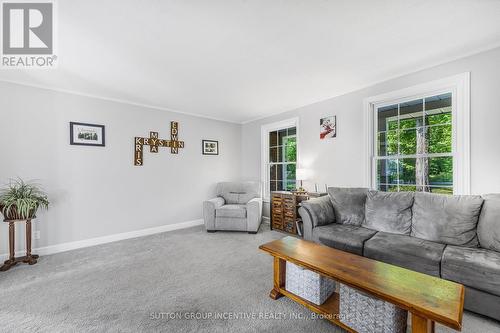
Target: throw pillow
{"x": 348, "y": 204}
{"x": 488, "y": 227}
{"x": 447, "y": 219}
{"x": 389, "y": 211}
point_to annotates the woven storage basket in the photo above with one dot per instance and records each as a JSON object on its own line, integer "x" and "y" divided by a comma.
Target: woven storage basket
{"x": 366, "y": 314}
{"x": 307, "y": 284}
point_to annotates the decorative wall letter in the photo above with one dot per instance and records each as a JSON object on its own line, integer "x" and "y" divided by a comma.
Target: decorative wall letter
{"x": 154, "y": 142}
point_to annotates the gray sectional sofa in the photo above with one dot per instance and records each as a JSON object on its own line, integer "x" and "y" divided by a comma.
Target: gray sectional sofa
{"x": 453, "y": 237}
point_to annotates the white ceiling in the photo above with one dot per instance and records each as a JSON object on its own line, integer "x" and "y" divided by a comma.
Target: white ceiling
{"x": 239, "y": 60}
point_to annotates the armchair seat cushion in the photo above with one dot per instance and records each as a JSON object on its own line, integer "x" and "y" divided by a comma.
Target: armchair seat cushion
{"x": 344, "y": 237}
{"x": 405, "y": 251}
{"x": 476, "y": 268}
{"x": 234, "y": 211}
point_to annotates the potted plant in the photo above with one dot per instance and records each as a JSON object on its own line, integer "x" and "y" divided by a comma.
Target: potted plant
{"x": 20, "y": 200}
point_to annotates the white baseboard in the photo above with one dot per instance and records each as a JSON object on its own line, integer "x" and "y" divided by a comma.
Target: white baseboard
{"x": 51, "y": 249}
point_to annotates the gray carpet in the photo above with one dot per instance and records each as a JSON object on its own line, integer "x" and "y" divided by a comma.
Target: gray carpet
{"x": 137, "y": 285}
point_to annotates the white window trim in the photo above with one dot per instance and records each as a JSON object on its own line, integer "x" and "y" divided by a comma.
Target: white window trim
{"x": 459, "y": 86}
{"x": 264, "y": 156}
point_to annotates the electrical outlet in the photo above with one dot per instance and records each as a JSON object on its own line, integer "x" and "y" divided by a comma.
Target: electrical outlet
{"x": 36, "y": 234}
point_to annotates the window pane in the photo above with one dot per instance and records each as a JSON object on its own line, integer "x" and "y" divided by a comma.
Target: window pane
{"x": 408, "y": 142}
{"x": 292, "y": 131}
{"x": 438, "y": 109}
{"x": 273, "y": 139}
{"x": 442, "y": 190}
{"x": 387, "y": 143}
{"x": 438, "y": 119}
{"x": 391, "y": 146}
{"x": 387, "y": 171}
{"x": 273, "y": 155}
{"x": 279, "y": 171}
{"x": 290, "y": 186}
{"x": 439, "y": 139}
{"x": 407, "y": 171}
{"x": 392, "y": 188}
{"x": 279, "y": 186}
{"x": 279, "y": 154}
{"x": 291, "y": 150}
{"x": 290, "y": 172}
{"x": 411, "y": 114}
{"x": 381, "y": 144}
{"x": 407, "y": 188}
{"x": 387, "y": 118}
{"x": 272, "y": 172}
{"x": 281, "y": 136}
{"x": 441, "y": 171}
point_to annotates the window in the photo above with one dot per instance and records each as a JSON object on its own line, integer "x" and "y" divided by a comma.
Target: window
{"x": 279, "y": 156}
{"x": 414, "y": 145}
{"x": 282, "y": 159}
{"x": 419, "y": 138}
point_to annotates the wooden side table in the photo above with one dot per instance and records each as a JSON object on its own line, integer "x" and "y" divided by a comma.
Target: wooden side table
{"x": 29, "y": 258}
{"x": 284, "y": 215}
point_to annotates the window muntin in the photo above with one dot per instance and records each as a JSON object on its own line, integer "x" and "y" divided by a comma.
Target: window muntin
{"x": 414, "y": 145}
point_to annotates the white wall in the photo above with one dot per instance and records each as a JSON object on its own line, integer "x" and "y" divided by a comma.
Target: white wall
{"x": 340, "y": 161}
{"x": 97, "y": 191}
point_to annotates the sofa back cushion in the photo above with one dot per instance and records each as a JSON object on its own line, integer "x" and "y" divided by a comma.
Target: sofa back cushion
{"x": 446, "y": 219}
{"x": 348, "y": 204}
{"x": 488, "y": 227}
{"x": 238, "y": 193}
{"x": 389, "y": 211}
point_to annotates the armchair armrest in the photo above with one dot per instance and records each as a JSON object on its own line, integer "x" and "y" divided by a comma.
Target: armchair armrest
{"x": 316, "y": 212}
{"x": 209, "y": 208}
{"x": 254, "y": 214}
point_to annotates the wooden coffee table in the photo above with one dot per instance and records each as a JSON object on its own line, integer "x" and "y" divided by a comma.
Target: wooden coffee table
{"x": 429, "y": 299}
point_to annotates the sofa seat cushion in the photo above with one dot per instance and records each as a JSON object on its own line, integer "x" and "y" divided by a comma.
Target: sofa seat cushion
{"x": 476, "y": 268}
{"x": 405, "y": 251}
{"x": 447, "y": 219}
{"x": 235, "y": 211}
{"x": 344, "y": 237}
{"x": 389, "y": 211}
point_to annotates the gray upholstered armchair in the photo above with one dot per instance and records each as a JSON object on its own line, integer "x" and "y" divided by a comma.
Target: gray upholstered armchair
{"x": 238, "y": 206}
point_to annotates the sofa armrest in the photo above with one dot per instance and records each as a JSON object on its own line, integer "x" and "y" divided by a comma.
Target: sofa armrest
{"x": 254, "y": 214}
{"x": 316, "y": 212}
{"x": 209, "y": 208}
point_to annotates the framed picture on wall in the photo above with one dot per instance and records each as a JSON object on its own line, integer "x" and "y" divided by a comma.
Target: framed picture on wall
{"x": 328, "y": 127}
{"x": 210, "y": 147}
{"x": 86, "y": 134}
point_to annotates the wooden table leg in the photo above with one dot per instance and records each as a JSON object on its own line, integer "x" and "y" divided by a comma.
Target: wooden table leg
{"x": 279, "y": 278}
{"x": 29, "y": 259}
{"x": 421, "y": 324}
{"x": 12, "y": 239}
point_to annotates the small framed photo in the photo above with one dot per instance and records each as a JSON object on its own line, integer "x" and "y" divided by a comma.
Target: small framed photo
{"x": 86, "y": 134}
{"x": 210, "y": 147}
{"x": 328, "y": 127}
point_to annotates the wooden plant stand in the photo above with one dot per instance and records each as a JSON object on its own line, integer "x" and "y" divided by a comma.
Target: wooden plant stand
{"x": 29, "y": 258}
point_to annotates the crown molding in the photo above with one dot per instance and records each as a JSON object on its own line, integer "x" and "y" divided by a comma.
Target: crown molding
{"x": 116, "y": 100}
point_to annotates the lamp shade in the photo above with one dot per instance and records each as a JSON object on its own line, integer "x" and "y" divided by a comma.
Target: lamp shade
{"x": 301, "y": 174}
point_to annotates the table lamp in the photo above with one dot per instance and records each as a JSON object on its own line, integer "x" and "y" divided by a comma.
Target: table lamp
{"x": 300, "y": 175}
